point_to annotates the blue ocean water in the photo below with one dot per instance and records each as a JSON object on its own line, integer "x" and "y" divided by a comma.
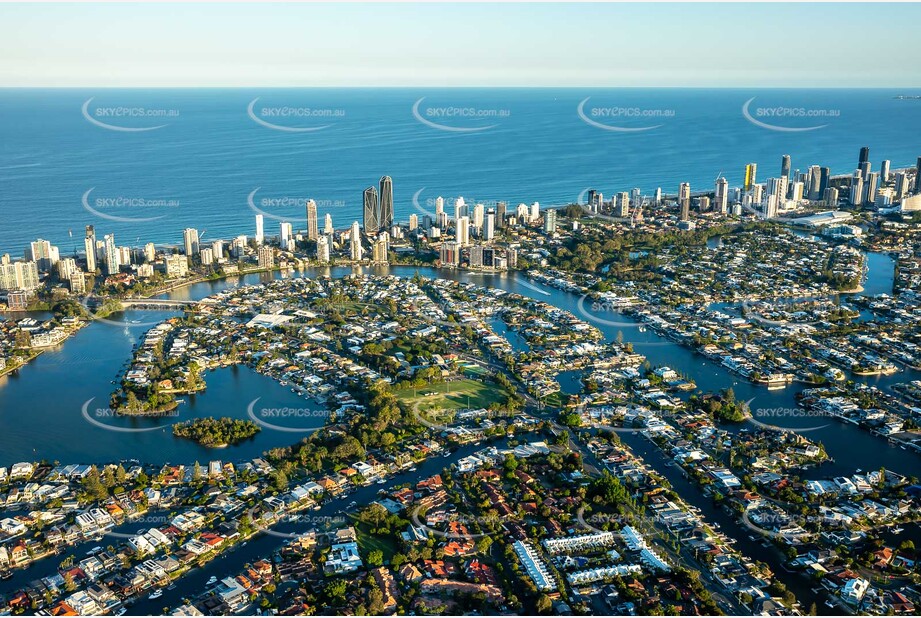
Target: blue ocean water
{"x": 210, "y": 161}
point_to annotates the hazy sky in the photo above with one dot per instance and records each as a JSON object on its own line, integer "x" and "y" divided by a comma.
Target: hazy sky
{"x": 460, "y": 45}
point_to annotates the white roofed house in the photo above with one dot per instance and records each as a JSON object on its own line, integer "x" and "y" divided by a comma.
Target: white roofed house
{"x": 233, "y": 593}
{"x": 21, "y": 470}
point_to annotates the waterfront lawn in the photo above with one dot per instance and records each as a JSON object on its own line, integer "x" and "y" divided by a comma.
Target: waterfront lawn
{"x": 454, "y": 395}
{"x": 368, "y": 542}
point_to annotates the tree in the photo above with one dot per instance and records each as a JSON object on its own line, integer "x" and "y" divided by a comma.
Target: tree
{"x": 280, "y": 480}
{"x": 375, "y": 558}
{"x": 335, "y": 590}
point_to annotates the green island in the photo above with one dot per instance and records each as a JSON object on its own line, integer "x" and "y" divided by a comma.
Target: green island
{"x": 216, "y": 432}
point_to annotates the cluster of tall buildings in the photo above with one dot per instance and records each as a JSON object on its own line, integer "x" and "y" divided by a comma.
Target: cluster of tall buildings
{"x": 378, "y": 207}
{"x": 791, "y": 187}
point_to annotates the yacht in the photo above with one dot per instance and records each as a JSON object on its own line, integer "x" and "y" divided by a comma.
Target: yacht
{"x": 211, "y": 581}
{"x": 156, "y": 594}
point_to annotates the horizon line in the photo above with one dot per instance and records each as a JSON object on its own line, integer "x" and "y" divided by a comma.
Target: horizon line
{"x": 448, "y": 87}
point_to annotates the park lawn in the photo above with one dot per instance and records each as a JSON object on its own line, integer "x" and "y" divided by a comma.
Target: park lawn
{"x": 455, "y": 395}
{"x": 369, "y": 542}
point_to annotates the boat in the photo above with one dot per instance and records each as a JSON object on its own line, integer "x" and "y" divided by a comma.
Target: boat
{"x": 211, "y": 580}
{"x": 898, "y": 530}
{"x": 5, "y": 575}
{"x": 156, "y": 594}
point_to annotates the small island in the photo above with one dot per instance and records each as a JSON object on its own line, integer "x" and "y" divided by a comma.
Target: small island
{"x": 216, "y": 432}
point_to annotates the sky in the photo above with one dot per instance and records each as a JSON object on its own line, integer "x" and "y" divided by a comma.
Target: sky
{"x": 662, "y": 45}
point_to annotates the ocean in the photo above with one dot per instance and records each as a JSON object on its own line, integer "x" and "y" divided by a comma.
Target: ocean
{"x": 144, "y": 164}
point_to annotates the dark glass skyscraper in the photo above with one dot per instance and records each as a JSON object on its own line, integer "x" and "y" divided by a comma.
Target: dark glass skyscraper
{"x": 385, "y": 219}
{"x": 824, "y": 175}
{"x": 918, "y": 176}
{"x": 372, "y": 222}
{"x": 864, "y": 155}
{"x": 785, "y": 167}
{"x": 500, "y": 213}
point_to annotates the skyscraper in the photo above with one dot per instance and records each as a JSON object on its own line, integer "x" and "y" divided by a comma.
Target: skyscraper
{"x": 550, "y": 221}
{"x": 285, "y": 234}
{"x": 413, "y": 221}
{"x": 751, "y": 171}
{"x": 265, "y": 257}
{"x": 813, "y": 183}
{"x": 785, "y": 166}
{"x": 355, "y": 242}
{"x": 489, "y": 226}
{"x": 385, "y": 220}
{"x": 313, "y": 228}
{"x": 449, "y": 253}
{"x": 328, "y": 224}
{"x": 856, "y": 197}
{"x": 500, "y": 214}
{"x": 622, "y": 204}
{"x": 722, "y": 195}
{"x": 89, "y": 245}
{"x": 684, "y": 200}
{"x": 884, "y": 170}
{"x": 460, "y": 208}
{"x": 44, "y": 254}
{"x": 381, "y": 248}
{"x": 872, "y": 184}
{"x": 372, "y": 222}
{"x": 462, "y": 231}
{"x": 901, "y": 185}
{"x": 260, "y": 229}
{"x": 323, "y": 249}
{"x": 918, "y": 176}
{"x": 217, "y": 249}
{"x": 824, "y": 178}
{"x": 479, "y": 211}
{"x": 864, "y": 155}
{"x": 593, "y": 203}
{"x": 190, "y": 240}
{"x": 111, "y": 252}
